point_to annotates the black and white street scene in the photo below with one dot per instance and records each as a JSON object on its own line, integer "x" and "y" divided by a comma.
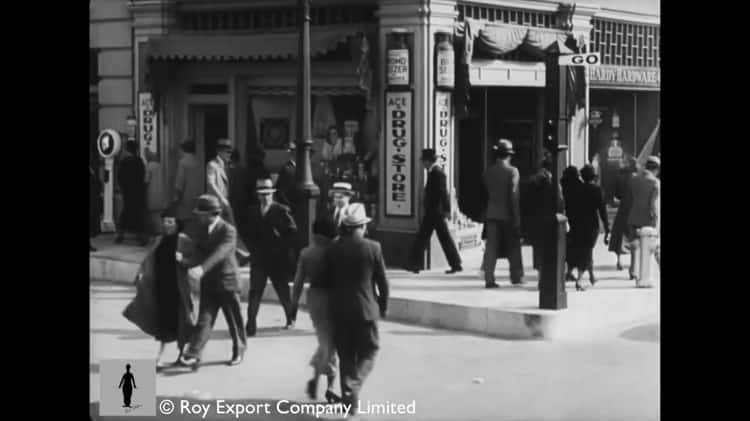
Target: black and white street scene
{"x": 375, "y": 209}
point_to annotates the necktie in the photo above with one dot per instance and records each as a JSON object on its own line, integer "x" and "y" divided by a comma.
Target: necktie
{"x": 336, "y": 216}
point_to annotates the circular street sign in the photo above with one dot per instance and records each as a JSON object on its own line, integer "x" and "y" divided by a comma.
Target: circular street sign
{"x": 108, "y": 143}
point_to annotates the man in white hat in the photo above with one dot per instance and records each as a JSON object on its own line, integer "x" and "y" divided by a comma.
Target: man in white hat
{"x": 352, "y": 267}
{"x": 270, "y": 236}
{"x": 342, "y": 194}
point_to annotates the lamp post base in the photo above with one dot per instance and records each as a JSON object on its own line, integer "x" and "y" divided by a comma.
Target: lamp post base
{"x": 552, "y": 295}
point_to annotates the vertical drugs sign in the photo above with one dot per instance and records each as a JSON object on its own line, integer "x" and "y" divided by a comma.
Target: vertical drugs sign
{"x": 399, "y": 144}
{"x": 147, "y": 123}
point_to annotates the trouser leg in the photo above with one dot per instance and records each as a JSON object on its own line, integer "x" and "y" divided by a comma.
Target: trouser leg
{"x": 209, "y": 307}
{"x": 366, "y": 348}
{"x": 344, "y": 339}
{"x": 490, "y": 252}
{"x": 258, "y": 280}
{"x": 420, "y": 243}
{"x": 515, "y": 259}
{"x": 446, "y": 242}
{"x": 233, "y": 314}
{"x": 280, "y": 283}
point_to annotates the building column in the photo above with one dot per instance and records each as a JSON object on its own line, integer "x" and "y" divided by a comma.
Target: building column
{"x": 420, "y": 20}
{"x": 582, "y": 27}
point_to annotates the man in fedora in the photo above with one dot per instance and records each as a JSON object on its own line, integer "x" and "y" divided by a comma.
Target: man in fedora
{"x": 352, "y": 267}
{"x": 285, "y": 183}
{"x": 271, "y": 237}
{"x": 342, "y": 194}
{"x": 437, "y": 207}
{"x": 214, "y": 264}
{"x": 502, "y": 215}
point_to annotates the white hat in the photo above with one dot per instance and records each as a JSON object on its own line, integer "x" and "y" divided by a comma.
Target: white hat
{"x": 355, "y": 215}
{"x": 341, "y": 187}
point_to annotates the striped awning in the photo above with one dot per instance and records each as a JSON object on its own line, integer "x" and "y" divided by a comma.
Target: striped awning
{"x": 316, "y": 91}
{"x": 245, "y": 47}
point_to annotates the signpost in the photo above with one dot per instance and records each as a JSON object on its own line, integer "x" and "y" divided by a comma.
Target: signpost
{"x": 108, "y": 144}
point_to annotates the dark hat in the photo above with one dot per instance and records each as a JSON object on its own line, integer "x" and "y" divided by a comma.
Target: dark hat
{"x": 224, "y": 144}
{"x": 207, "y": 204}
{"x": 504, "y": 146}
{"x": 428, "y": 155}
{"x": 264, "y": 185}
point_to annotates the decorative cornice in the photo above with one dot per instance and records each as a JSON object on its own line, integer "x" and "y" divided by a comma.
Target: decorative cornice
{"x": 629, "y": 17}
{"x": 539, "y": 5}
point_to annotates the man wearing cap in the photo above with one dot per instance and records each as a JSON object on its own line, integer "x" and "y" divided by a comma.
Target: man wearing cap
{"x": 215, "y": 265}
{"x": 502, "y": 215}
{"x": 271, "y": 239}
{"x": 437, "y": 207}
{"x": 645, "y": 189}
{"x": 285, "y": 183}
{"x": 352, "y": 267}
{"x": 342, "y": 194}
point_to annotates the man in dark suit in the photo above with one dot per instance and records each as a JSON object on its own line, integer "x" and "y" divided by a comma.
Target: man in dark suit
{"x": 351, "y": 269}
{"x": 285, "y": 183}
{"x": 437, "y": 208}
{"x": 502, "y": 215}
{"x": 271, "y": 240}
{"x": 214, "y": 264}
{"x": 644, "y": 192}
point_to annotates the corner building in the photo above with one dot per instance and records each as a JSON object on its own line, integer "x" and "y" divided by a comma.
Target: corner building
{"x": 394, "y": 76}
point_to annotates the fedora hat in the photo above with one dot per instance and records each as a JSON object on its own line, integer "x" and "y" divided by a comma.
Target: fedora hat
{"x": 224, "y": 144}
{"x": 341, "y": 187}
{"x": 355, "y": 215}
{"x": 504, "y": 146}
{"x": 264, "y": 185}
{"x": 428, "y": 154}
{"x": 207, "y": 204}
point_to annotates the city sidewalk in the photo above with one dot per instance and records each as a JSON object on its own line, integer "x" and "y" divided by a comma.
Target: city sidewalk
{"x": 460, "y": 301}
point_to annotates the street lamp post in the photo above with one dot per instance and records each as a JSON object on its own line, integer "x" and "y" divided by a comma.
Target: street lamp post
{"x": 307, "y": 191}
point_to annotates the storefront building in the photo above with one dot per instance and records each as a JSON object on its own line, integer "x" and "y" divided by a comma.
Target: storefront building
{"x": 392, "y": 76}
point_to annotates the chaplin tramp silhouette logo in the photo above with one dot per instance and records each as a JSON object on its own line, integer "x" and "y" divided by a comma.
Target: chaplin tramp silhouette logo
{"x": 127, "y": 384}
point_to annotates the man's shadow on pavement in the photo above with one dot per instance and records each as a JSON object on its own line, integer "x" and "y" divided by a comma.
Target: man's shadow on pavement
{"x": 212, "y": 416}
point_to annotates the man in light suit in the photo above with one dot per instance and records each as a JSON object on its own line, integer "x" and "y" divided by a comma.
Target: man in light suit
{"x": 502, "y": 215}
{"x": 285, "y": 183}
{"x": 437, "y": 208}
{"x": 342, "y": 194}
{"x": 217, "y": 180}
{"x": 215, "y": 266}
{"x": 644, "y": 192}
{"x": 188, "y": 184}
{"x": 351, "y": 269}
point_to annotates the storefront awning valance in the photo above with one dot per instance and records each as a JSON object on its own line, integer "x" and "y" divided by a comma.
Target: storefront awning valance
{"x": 315, "y": 91}
{"x": 502, "y": 39}
{"x": 244, "y": 47}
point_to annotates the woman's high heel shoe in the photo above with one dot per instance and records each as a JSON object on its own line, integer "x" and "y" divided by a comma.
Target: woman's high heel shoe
{"x": 593, "y": 281}
{"x": 580, "y": 287}
{"x": 332, "y": 397}
{"x": 311, "y": 389}
{"x": 619, "y": 266}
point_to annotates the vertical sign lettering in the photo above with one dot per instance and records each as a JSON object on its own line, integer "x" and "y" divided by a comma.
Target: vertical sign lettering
{"x": 147, "y": 123}
{"x": 398, "y": 153}
{"x": 444, "y": 133}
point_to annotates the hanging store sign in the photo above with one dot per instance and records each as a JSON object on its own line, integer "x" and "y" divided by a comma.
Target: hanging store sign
{"x": 444, "y": 133}
{"x": 625, "y": 76}
{"x": 399, "y": 143}
{"x": 147, "y": 126}
{"x": 445, "y": 61}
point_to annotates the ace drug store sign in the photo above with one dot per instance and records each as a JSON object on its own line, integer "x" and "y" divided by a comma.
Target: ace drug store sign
{"x": 399, "y": 146}
{"x": 147, "y": 123}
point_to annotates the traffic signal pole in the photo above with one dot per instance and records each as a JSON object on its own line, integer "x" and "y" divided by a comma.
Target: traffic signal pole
{"x": 552, "y": 295}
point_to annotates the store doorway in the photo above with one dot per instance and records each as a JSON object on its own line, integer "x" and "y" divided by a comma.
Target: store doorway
{"x": 208, "y": 124}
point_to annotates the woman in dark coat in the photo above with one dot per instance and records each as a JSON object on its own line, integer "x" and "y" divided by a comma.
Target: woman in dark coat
{"x": 95, "y": 191}
{"x": 541, "y": 206}
{"x": 162, "y": 306}
{"x": 572, "y": 185}
{"x": 588, "y": 207}
{"x": 132, "y": 181}
{"x": 619, "y": 226}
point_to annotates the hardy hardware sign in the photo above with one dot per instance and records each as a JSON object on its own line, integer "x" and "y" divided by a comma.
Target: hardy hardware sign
{"x": 399, "y": 144}
{"x": 625, "y": 76}
{"x": 443, "y": 132}
{"x": 147, "y": 123}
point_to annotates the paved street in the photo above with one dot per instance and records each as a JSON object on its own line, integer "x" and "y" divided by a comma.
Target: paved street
{"x": 450, "y": 375}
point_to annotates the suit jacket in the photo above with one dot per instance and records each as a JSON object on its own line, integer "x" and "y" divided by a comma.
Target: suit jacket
{"x": 436, "y": 199}
{"x": 644, "y": 200}
{"x": 337, "y": 221}
{"x": 502, "y": 192}
{"x": 352, "y": 268}
{"x": 217, "y": 181}
{"x": 285, "y": 183}
{"x": 270, "y": 236}
{"x": 215, "y": 253}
